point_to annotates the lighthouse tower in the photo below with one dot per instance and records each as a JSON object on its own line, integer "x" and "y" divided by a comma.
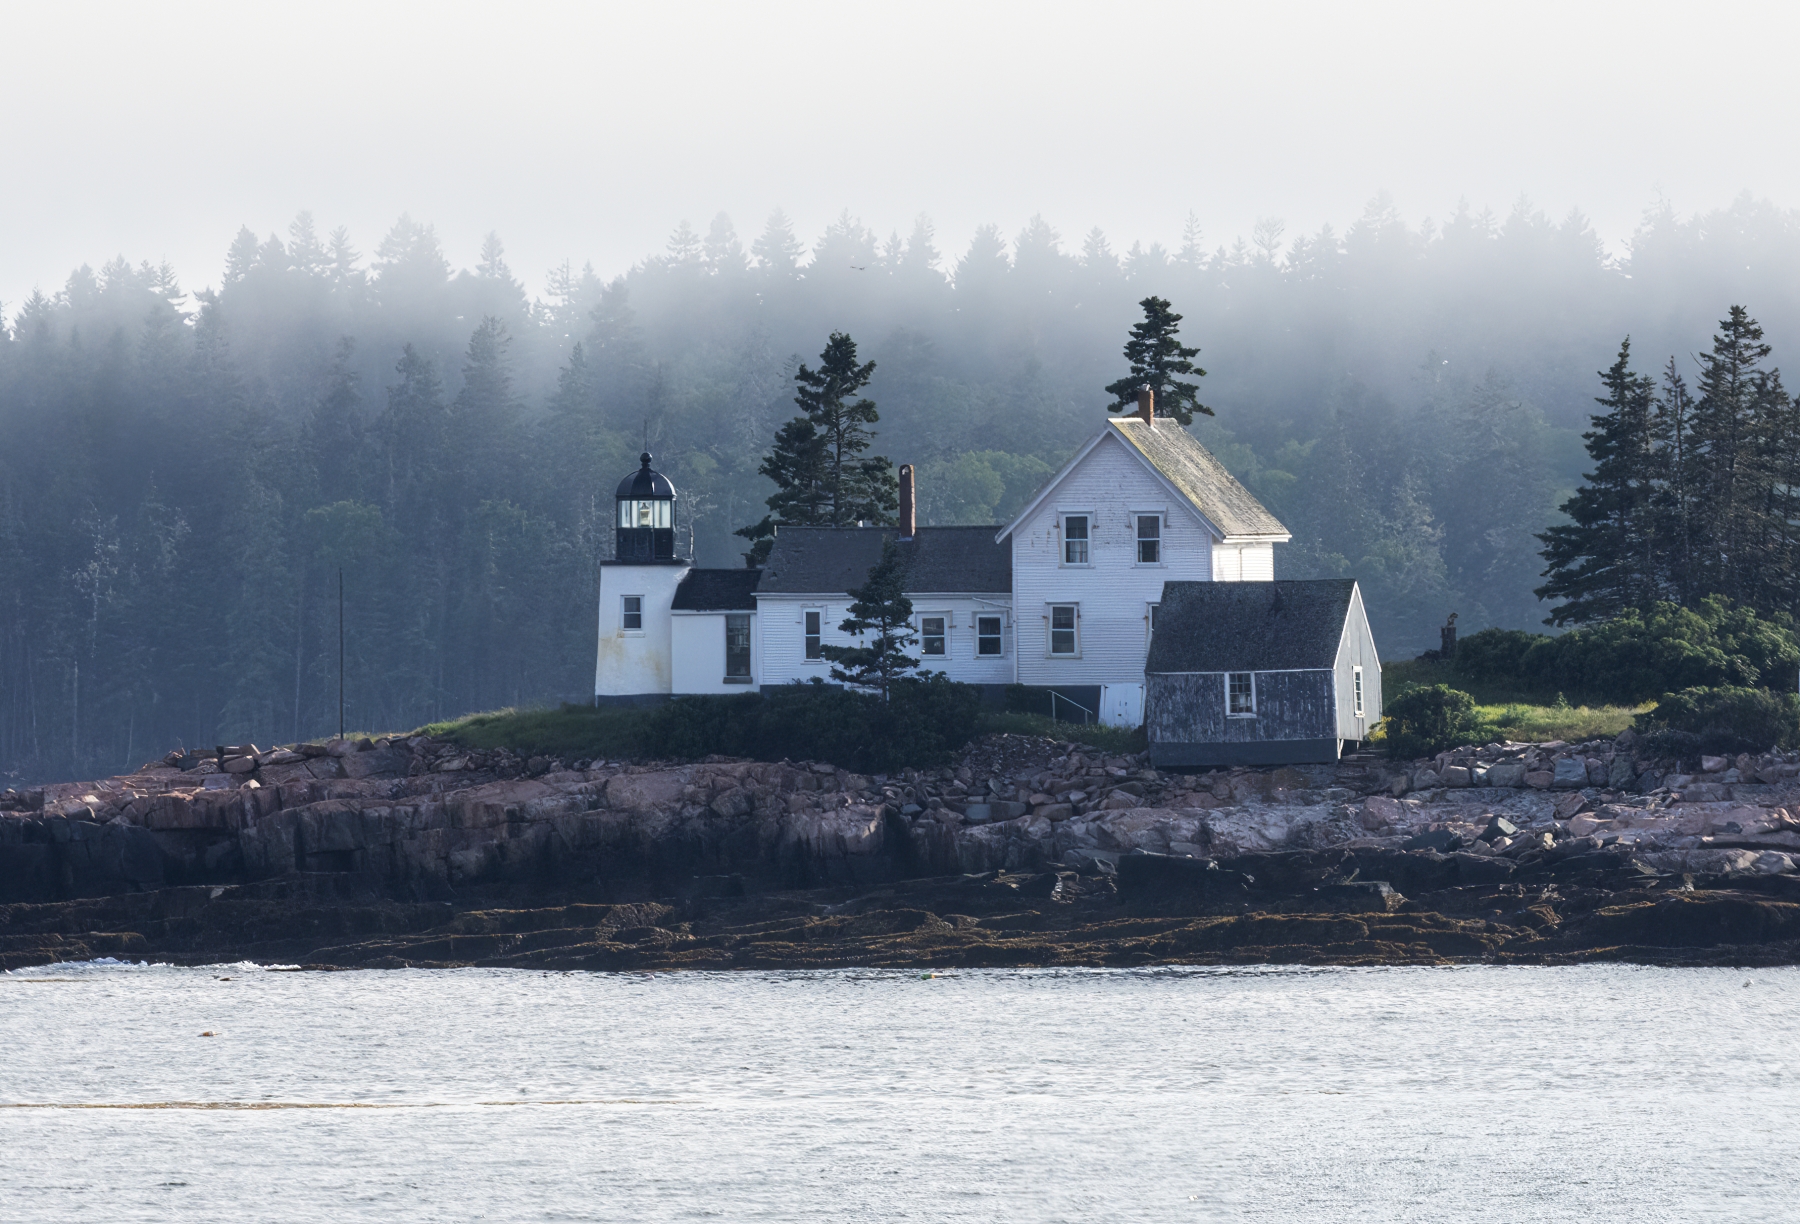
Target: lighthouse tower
{"x": 637, "y": 588}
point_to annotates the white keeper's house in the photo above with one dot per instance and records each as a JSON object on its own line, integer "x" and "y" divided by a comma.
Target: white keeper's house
{"x": 1063, "y": 599}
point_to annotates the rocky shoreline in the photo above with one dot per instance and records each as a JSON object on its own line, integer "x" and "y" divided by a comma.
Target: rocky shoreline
{"x": 1026, "y": 852}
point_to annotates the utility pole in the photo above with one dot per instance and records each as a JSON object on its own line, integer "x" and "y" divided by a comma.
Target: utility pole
{"x": 340, "y": 652}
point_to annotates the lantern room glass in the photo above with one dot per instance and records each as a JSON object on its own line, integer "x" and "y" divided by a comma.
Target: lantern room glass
{"x": 646, "y": 512}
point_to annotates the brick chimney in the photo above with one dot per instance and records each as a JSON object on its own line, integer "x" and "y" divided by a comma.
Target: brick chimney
{"x": 1147, "y": 406}
{"x": 908, "y": 509}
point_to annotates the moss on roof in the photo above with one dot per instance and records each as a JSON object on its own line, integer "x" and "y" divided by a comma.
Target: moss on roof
{"x": 1199, "y": 477}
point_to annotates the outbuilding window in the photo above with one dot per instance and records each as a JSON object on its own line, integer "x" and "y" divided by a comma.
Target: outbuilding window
{"x": 737, "y": 648}
{"x": 1149, "y": 539}
{"x": 1075, "y": 539}
{"x": 631, "y": 613}
{"x": 1063, "y": 637}
{"x": 812, "y": 618}
{"x": 1356, "y": 689}
{"x": 931, "y": 635}
{"x": 1240, "y": 695}
{"x": 988, "y": 641}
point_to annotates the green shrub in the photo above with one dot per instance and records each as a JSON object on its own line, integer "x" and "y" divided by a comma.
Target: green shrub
{"x": 1726, "y": 719}
{"x": 1424, "y": 721}
{"x": 924, "y": 721}
{"x": 1641, "y": 654}
{"x": 1496, "y": 655}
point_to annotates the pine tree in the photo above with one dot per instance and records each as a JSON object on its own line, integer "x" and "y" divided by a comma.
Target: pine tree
{"x": 1733, "y": 464}
{"x": 1676, "y": 514}
{"x": 856, "y": 488}
{"x": 1157, "y": 359}
{"x": 823, "y": 478}
{"x": 778, "y": 252}
{"x": 723, "y": 252}
{"x": 879, "y": 607}
{"x": 1604, "y": 561}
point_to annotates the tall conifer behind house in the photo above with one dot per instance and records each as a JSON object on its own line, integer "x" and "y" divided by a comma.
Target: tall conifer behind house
{"x": 1159, "y": 361}
{"x": 1604, "y": 560}
{"x": 823, "y": 475}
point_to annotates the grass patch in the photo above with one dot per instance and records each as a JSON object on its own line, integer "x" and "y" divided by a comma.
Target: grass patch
{"x": 570, "y": 732}
{"x": 574, "y": 732}
{"x": 1120, "y": 741}
{"x": 1508, "y": 712}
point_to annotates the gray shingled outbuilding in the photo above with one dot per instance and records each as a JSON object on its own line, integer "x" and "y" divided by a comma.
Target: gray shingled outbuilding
{"x": 1259, "y": 673}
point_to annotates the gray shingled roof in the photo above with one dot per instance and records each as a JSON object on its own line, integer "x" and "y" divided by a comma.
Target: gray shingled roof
{"x": 832, "y": 560}
{"x": 1249, "y": 626}
{"x": 717, "y": 590}
{"x": 1202, "y": 479}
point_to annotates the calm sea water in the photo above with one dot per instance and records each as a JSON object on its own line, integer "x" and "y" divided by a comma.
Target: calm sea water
{"x": 1589, "y": 1094}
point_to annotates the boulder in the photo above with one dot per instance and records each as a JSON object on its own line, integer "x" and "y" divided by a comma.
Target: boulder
{"x": 1714, "y": 764}
{"x": 1425, "y": 779}
{"x": 1540, "y": 779}
{"x": 1457, "y": 775}
{"x": 1570, "y": 771}
{"x": 1506, "y": 773}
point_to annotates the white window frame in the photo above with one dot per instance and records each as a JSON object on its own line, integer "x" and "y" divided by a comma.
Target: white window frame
{"x": 806, "y": 658}
{"x": 1062, "y": 538}
{"x": 1137, "y": 539}
{"x": 999, "y": 635}
{"x": 1229, "y": 712}
{"x": 1356, "y": 688}
{"x": 625, "y": 611}
{"x": 1050, "y": 651}
{"x": 948, "y": 624}
{"x": 1150, "y": 610}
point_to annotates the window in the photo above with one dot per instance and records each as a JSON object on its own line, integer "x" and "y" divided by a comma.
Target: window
{"x": 1356, "y": 689}
{"x": 645, "y": 512}
{"x": 631, "y": 613}
{"x": 1240, "y": 695}
{"x": 1151, "y": 618}
{"x": 1149, "y": 539}
{"x": 1075, "y": 539}
{"x": 737, "y": 647}
{"x": 813, "y": 617}
{"x": 1062, "y": 629}
{"x": 931, "y": 635}
{"x": 987, "y": 636}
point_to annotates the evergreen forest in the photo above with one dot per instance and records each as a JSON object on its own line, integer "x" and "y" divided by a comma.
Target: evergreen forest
{"x": 185, "y": 472}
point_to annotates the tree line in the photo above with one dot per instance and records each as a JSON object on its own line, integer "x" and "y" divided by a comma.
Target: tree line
{"x": 185, "y": 473}
{"x": 1694, "y": 493}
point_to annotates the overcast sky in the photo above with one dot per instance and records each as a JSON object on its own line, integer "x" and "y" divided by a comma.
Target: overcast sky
{"x": 590, "y": 130}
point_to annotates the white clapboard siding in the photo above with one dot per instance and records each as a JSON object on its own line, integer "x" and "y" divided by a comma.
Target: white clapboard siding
{"x": 635, "y": 663}
{"x": 1114, "y": 591}
{"x": 781, "y": 627}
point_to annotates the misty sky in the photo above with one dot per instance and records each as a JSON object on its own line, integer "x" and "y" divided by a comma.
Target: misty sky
{"x": 589, "y": 130}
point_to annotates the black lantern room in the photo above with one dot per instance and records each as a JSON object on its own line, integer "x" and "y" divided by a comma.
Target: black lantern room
{"x": 646, "y": 522}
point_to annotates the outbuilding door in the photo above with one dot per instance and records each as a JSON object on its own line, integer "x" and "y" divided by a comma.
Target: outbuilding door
{"x": 1122, "y": 705}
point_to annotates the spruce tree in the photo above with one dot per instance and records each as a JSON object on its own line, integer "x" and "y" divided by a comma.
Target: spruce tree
{"x": 879, "y": 607}
{"x": 1159, "y": 360}
{"x": 858, "y": 488}
{"x": 1733, "y": 466}
{"x": 822, "y": 473}
{"x": 1604, "y": 560}
{"x": 1674, "y": 506}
